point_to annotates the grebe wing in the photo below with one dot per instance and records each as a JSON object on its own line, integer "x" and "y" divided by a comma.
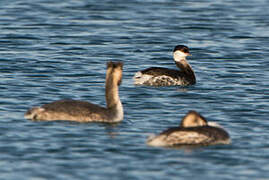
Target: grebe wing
{"x": 74, "y": 107}
{"x": 187, "y": 137}
{"x": 159, "y": 71}
{"x": 193, "y": 135}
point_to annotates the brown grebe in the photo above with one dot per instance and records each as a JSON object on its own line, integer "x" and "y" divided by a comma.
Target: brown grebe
{"x": 193, "y": 130}
{"x": 81, "y": 111}
{"x": 158, "y": 76}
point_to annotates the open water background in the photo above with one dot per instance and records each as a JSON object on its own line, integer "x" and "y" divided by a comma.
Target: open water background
{"x": 51, "y": 50}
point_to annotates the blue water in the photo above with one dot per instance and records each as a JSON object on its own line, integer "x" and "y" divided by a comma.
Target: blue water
{"x": 51, "y": 50}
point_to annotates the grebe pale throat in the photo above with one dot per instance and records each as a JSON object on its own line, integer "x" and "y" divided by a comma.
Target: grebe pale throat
{"x": 193, "y": 130}
{"x": 81, "y": 111}
{"x": 158, "y": 76}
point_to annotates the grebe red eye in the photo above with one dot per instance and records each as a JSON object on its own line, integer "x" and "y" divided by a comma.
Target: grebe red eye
{"x": 185, "y": 50}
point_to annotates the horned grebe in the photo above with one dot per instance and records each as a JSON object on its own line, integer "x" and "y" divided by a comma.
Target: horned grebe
{"x": 193, "y": 130}
{"x": 158, "y": 76}
{"x": 81, "y": 111}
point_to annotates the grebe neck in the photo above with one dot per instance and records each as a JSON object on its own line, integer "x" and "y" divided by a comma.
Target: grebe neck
{"x": 112, "y": 93}
{"x": 181, "y": 61}
{"x": 113, "y": 102}
{"x": 183, "y": 64}
{"x": 186, "y": 68}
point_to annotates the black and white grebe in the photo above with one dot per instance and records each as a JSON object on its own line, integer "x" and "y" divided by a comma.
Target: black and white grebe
{"x": 193, "y": 130}
{"x": 158, "y": 76}
{"x": 82, "y": 111}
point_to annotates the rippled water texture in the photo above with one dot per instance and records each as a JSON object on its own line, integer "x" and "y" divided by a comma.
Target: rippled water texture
{"x": 52, "y": 50}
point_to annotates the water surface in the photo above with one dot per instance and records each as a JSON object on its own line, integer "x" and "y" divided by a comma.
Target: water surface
{"x": 52, "y": 50}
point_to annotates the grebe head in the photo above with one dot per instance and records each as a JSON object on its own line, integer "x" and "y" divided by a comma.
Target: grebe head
{"x": 181, "y": 52}
{"x": 193, "y": 119}
{"x": 114, "y": 69}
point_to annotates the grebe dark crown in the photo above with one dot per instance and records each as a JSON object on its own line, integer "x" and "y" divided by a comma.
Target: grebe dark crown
{"x": 182, "y": 48}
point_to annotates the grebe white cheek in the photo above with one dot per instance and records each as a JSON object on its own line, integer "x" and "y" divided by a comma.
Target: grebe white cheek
{"x": 179, "y": 56}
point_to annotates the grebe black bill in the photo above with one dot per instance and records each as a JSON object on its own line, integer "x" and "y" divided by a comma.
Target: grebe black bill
{"x": 81, "y": 111}
{"x": 158, "y": 76}
{"x": 193, "y": 130}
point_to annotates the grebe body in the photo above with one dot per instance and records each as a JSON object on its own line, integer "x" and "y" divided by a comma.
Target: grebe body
{"x": 159, "y": 76}
{"x": 194, "y": 130}
{"x": 81, "y": 111}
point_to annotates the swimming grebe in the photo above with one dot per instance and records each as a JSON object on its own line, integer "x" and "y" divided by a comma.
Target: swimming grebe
{"x": 81, "y": 111}
{"x": 193, "y": 130}
{"x": 158, "y": 76}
